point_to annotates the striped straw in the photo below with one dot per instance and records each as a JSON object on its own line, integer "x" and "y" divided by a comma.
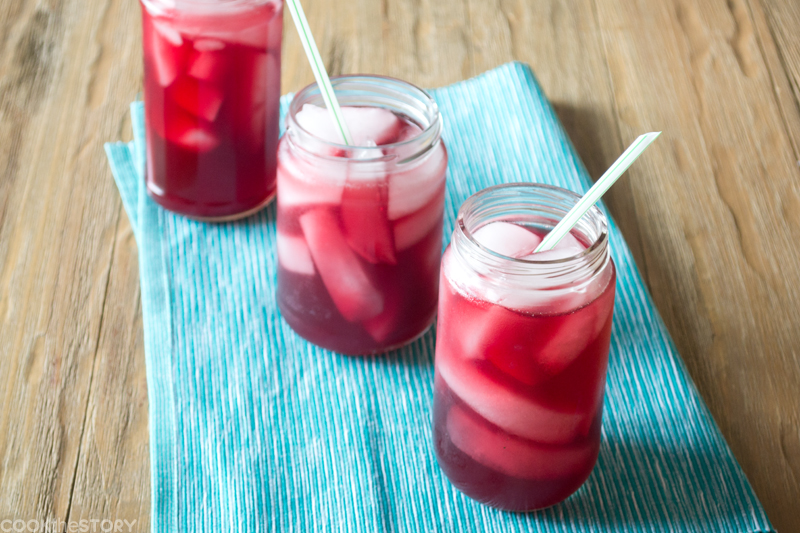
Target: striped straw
{"x": 599, "y": 189}
{"x": 321, "y": 75}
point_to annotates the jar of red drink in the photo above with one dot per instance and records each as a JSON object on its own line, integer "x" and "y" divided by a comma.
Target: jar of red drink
{"x": 359, "y": 229}
{"x": 522, "y": 348}
{"x": 212, "y": 84}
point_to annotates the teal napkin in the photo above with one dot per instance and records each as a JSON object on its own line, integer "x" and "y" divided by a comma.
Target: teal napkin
{"x": 254, "y": 429}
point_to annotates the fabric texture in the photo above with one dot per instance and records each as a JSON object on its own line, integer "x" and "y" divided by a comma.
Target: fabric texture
{"x": 254, "y": 429}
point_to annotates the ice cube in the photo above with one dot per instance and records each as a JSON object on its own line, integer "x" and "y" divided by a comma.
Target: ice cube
{"x": 166, "y": 53}
{"x": 479, "y": 281}
{"x": 462, "y": 330}
{"x": 483, "y": 331}
{"x": 503, "y": 405}
{"x": 209, "y": 65}
{"x": 507, "y": 239}
{"x": 519, "y": 330}
{"x": 567, "y": 247}
{"x": 386, "y": 324}
{"x": 414, "y": 184}
{"x": 364, "y": 220}
{"x": 208, "y": 45}
{"x": 412, "y": 228}
{"x": 233, "y": 32}
{"x": 342, "y": 273}
{"x": 199, "y": 98}
{"x": 293, "y": 254}
{"x": 301, "y": 182}
{"x": 535, "y": 299}
{"x": 254, "y": 36}
{"x": 265, "y": 88}
{"x": 511, "y": 341}
{"x": 575, "y": 333}
{"x": 266, "y": 75}
{"x": 166, "y": 31}
{"x": 407, "y": 132}
{"x": 383, "y": 325}
{"x": 197, "y": 138}
{"x": 190, "y": 132}
{"x": 516, "y": 457}
{"x": 366, "y": 124}
{"x": 260, "y": 83}
{"x": 253, "y": 27}
{"x": 317, "y": 121}
{"x": 272, "y": 77}
{"x": 367, "y": 167}
{"x": 535, "y": 296}
{"x": 275, "y": 32}
{"x": 464, "y": 279}
{"x": 580, "y": 386}
{"x": 372, "y": 125}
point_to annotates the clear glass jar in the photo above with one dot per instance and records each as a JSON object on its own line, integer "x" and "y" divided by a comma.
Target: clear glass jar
{"x": 521, "y": 352}
{"x": 359, "y": 228}
{"x": 212, "y": 78}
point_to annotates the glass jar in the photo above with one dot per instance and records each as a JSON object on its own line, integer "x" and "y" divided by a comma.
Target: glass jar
{"x": 521, "y": 352}
{"x": 212, "y": 79}
{"x": 359, "y": 230}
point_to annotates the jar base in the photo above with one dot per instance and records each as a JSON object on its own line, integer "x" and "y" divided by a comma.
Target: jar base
{"x": 175, "y": 208}
{"x": 351, "y": 349}
{"x": 494, "y": 488}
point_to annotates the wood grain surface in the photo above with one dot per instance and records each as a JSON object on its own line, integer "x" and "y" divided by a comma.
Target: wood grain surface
{"x": 712, "y": 213}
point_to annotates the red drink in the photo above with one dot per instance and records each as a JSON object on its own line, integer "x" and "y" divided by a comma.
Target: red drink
{"x": 359, "y": 230}
{"x": 521, "y": 353}
{"x": 212, "y": 85}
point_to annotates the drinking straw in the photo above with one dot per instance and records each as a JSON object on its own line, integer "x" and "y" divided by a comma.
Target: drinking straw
{"x": 598, "y": 189}
{"x": 321, "y": 75}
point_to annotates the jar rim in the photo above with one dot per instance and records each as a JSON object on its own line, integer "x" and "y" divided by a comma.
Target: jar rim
{"x": 422, "y": 95}
{"x": 599, "y": 243}
{"x": 161, "y": 6}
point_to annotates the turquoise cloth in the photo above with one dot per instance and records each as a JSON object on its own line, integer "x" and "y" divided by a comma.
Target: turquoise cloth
{"x": 254, "y": 429}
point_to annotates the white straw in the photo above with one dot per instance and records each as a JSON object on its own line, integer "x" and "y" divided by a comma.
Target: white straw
{"x": 318, "y": 67}
{"x": 590, "y": 198}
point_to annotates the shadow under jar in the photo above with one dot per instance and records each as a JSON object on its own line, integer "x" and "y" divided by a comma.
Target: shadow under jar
{"x": 521, "y": 353}
{"x": 212, "y": 76}
{"x": 359, "y": 228}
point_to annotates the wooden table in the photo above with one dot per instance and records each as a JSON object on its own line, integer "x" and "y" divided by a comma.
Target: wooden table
{"x": 712, "y": 212}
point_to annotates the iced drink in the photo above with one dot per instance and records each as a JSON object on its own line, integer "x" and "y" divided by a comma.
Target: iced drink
{"x": 359, "y": 232}
{"x": 212, "y": 84}
{"x": 521, "y": 354}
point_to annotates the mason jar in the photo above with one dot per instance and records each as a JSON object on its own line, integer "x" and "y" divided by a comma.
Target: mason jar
{"x": 522, "y": 348}
{"x": 359, "y": 227}
{"x": 212, "y": 79}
